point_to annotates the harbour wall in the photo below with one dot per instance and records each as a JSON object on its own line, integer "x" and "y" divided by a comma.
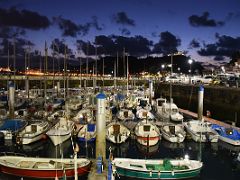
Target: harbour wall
{"x": 222, "y": 102}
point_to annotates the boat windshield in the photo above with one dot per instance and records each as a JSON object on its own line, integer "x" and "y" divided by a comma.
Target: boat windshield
{"x": 146, "y": 128}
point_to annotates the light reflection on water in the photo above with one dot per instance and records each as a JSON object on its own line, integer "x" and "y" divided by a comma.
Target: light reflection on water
{"x": 219, "y": 158}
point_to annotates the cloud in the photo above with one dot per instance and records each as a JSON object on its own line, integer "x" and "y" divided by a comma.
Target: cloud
{"x": 109, "y": 45}
{"x": 123, "y": 19}
{"x": 197, "y": 21}
{"x": 224, "y": 46}
{"x": 69, "y": 28}
{"x": 23, "y": 19}
{"x": 168, "y": 43}
{"x": 125, "y": 31}
{"x": 219, "y": 58}
{"x": 194, "y": 44}
{"x": 59, "y": 46}
{"x": 85, "y": 47}
{"x": 10, "y": 32}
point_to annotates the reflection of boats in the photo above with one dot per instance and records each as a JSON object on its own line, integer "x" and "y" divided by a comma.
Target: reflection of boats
{"x": 42, "y": 167}
{"x": 147, "y": 133}
{"x": 117, "y": 133}
{"x": 201, "y": 131}
{"x": 119, "y": 151}
{"x": 173, "y": 133}
{"x": 228, "y": 146}
{"x": 148, "y": 150}
{"x": 170, "y": 145}
{"x": 61, "y": 132}
{"x": 157, "y": 169}
{"x": 32, "y": 132}
{"x": 228, "y": 135}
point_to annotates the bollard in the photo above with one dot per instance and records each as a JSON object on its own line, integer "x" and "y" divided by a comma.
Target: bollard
{"x": 11, "y": 97}
{"x": 99, "y": 165}
{"x": 200, "y": 102}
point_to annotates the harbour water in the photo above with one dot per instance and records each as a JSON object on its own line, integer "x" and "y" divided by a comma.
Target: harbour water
{"x": 219, "y": 159}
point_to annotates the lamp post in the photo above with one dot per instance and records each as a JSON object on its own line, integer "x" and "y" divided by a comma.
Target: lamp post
{"x": 190, "y": 63}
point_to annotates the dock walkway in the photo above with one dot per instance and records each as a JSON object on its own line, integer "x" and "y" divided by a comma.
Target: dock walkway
{"x": 213, "y": 121}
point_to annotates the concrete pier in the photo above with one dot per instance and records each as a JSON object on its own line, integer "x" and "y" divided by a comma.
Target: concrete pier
{"x": 11, "y": 96}
{"x": 200, "y": 102}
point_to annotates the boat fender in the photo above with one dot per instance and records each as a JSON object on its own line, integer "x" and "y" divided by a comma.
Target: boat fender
{"x": 159, "y": 174}
{"x": 150, "y": 173}
{"x": 173, "y": 173}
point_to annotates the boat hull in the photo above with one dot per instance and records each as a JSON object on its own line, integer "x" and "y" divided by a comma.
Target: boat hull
{"x": 157, "y": 175}
{"x": 148, "y": 141}
{"x": 45, "y": 174}
{"x": 58, "y": 139}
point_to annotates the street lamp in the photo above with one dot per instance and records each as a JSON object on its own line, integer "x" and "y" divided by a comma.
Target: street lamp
{"x": 162, "y": 66}
{"x": 190, "y": 63}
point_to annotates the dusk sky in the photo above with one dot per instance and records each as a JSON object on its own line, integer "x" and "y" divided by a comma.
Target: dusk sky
{"x": 207, "y": 30}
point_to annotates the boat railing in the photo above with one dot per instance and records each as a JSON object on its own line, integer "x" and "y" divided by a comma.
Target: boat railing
{"x": 11, "y": 154}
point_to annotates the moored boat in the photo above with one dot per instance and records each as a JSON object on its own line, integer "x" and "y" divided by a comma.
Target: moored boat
{"x": 87, "y": 133}
{"x": 228, "y": 135}
{"x": 33, "y": 167}
{"x": 173, "y": 133}
{"x": 157, "y": 169}
{"x": 147, "y": 133}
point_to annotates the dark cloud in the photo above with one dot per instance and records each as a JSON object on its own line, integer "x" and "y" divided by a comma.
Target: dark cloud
{"x": 20, "y": 46}
{"x": 86, "y": 47}
{"x": 95, "y": 24}
{"x": 23, "y": 19}
{"x": 219, "y": 58}
{"x": 109, "y": 45}
{"x": 69, "y": 28}
{"x": 194, "y": 44}
{"x": 59, "y": 46}
{"x": 125, "y": 31}
{"x": 224, "y": 46}
{"x": 106, "y": 44}
{"x": 123, "y": 19}
{"x": 168, "y": 43}
{"x": 10, "y": 32}
{"x": 197, "y": 21}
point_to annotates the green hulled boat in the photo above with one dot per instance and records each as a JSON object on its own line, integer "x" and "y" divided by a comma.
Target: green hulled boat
{"x": 157, "y": 169}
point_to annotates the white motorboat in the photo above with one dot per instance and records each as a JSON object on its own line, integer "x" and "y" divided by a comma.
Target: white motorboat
{"x": 173, "y": 132}
{"x": 169, "y": 111}
{"x": 61, "y": 132}
{"x": 201, "y": 131}
{"x": 144, "y": 114}
{"x": 32, "y": 132}
{"x": 125, "y": 114}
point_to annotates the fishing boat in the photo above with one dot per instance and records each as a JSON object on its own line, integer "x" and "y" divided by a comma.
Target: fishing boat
{"x": 61, "y": 132}
{"x": 10, "y": 127}
{"x": 87, "y": 133}
{"x": 228, "y": 135}
{"x": 147, "y": 133}
{"x": 201, "y": 131}
{"x": 117, "y": 133}
{"x": 84, "y": 116}
{"x": 32, "y": 132}
{"x": 33, "y": 167}
{"x": 157, "y": 105}
{"x": 157, "y": 169}
{"x": 173, "y": 133}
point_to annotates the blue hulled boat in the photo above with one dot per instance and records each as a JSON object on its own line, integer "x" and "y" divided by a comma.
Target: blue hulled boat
{"x": 87, "y": 133}
{"x": 228, "y": 135}
{"x": 9, "y": 127}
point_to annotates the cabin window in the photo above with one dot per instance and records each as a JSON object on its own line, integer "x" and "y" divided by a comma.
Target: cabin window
{"x": 146, "y": 128}
{"x": 136, "y": 165}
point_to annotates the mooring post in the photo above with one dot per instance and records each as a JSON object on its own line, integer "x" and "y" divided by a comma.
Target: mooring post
{"x": 101, "y": 127}
{"x": 58, "y": 88}
{"x": 27, "y": 87}
{"x": 11, "y": 94}
{"x": 200, "y": 102}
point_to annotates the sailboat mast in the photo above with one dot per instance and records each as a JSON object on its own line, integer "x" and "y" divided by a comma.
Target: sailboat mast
{"x": 45, "y": 73}
{"x": 127, "y": 74}
{"x": 64, "y": 72}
